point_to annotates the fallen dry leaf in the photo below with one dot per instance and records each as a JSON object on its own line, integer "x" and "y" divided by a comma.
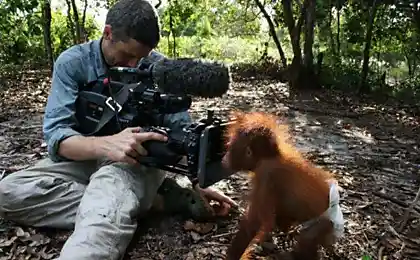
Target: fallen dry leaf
{"x": 200, "y": 228}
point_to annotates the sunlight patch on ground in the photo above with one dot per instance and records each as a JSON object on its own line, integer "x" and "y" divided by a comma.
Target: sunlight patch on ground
{"x": 246, "y": 93}
{"x": 359, "y": 133}
{"x": 323, "y": 142}
{"x": 405, "y": 140}
{"x": 320, "y": 139}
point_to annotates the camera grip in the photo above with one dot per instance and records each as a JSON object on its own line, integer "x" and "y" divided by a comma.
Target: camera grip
{"x": 160, "y": 150}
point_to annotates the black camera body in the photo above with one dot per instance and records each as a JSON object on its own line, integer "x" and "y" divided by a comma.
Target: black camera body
{"x": 137, "y": 102}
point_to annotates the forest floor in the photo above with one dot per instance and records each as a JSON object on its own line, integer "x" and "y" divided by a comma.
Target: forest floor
{"x": 372, "y": 148}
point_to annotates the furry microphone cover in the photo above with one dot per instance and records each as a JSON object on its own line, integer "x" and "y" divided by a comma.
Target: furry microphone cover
{"x": 191, "y": 76}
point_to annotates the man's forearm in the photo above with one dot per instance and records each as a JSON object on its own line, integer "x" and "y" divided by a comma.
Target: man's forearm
{"x": 80, "y": 148}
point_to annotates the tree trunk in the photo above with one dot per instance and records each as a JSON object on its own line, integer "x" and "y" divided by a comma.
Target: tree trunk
{"x": 294, "y": 70}
{"x": 416, "y": 15}
{"x": 76, "y": 21}
{"x": 410, "y": 69}
{"x": 363, "y": 87}
{"x": 171, "y": 26}
{"x": 273, "y": 33}
{"x": 83, "y": 25}
{"x": 320, "y": 59}
{"x": 309, "y": 35}
{"x": 338, "y": 29}
{"x": 294, "y": 30}
{"x": 309, "y": 78}
{"x": 416, "y": 18}
{"x": 330, "y": 31}
{"x": 70, "y": 23}
{"x": 300, "y": 74}
{"x": 47, "y": 33}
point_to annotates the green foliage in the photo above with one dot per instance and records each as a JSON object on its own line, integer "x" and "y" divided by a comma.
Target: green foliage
{"x": 61, "y": 36}
{"x": 407, "y": 89}
{"x": 236, "y": 32}
{"x": 232, "y": 50}
{"x": 21, "y": 32}
{"x": 345, "y": 76}
{"x": 209, "y": 18}
{"x": 19, "y": 21}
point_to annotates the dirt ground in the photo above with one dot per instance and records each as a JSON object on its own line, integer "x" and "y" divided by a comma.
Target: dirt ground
{"x": 372, "y": 148}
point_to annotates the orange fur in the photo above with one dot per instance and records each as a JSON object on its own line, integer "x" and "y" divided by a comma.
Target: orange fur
{"x": 286, "y": 188}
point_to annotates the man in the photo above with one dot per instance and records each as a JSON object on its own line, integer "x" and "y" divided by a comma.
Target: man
{"x": 93, "y": 184}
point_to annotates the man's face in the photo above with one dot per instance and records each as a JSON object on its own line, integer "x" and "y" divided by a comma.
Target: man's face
{"x": 122, "y": 53}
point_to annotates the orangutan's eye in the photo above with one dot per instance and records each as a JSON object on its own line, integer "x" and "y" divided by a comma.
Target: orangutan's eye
{"x": 248, "y": 152}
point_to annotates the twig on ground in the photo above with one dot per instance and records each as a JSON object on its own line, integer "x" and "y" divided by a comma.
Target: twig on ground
{"x": 409, "y": 210}
{"x": 395, "y": 233}
{"x": 20, "y": 126}
{"x": 7, "y": 156}
{"x": 221, "y": 235}
{"x": 211, "y": 243}
{"x": 394, "y": 200}
{"x": 399, "y": 253}
{"x": 380, "y": 252}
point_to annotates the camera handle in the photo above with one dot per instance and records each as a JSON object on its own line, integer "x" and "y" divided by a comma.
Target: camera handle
{"x": 158, "y": 149}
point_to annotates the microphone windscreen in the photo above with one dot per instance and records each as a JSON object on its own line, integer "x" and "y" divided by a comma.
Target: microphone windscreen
{"x": 191, "y": 77}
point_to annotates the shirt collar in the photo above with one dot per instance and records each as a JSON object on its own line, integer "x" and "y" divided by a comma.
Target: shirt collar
{"x": 101, "y": 66}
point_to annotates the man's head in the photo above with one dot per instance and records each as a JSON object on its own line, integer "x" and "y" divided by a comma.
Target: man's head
{"x": 131, "y": 32}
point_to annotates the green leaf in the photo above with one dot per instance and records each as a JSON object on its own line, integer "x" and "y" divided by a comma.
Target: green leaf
{"x": 366, "y": 257}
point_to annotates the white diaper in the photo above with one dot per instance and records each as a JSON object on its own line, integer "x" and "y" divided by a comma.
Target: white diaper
{"x": 333, "y": 212}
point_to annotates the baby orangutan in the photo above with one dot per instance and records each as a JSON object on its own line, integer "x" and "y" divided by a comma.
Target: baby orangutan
{"x": 287, "y": 190}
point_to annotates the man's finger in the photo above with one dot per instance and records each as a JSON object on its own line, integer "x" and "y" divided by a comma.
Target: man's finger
{"x": 133, "y": 154}
{"x": 130, "y": 160}
{"x": 136, "y": 129}
{"x": 141, "y": 150}
{"x": 223, "y": 198}
{"x": 230, "y": 201}
{"x": 141, "y": 137}
{"x": 223, "y": 210}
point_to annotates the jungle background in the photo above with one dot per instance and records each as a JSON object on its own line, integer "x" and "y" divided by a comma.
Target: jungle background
{"x": 345, "y": 75}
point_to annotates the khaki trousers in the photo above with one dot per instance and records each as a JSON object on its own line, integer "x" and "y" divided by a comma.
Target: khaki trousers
{"x": 99, "y": 200}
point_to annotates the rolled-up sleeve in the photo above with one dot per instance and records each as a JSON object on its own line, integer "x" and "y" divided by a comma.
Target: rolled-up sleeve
{"x": 59, "y": 117}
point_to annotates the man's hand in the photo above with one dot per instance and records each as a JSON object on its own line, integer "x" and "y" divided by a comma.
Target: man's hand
{"x": 126, "y": 146}
{"x": 224, "y": 201}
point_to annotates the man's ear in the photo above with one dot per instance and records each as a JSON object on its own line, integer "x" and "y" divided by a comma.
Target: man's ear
{"x": 107, "y": 33}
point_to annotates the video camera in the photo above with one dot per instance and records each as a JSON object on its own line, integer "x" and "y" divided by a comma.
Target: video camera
{"x": 138, "y": 102}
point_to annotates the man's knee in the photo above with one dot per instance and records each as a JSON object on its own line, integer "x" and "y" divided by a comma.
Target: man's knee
{"x": 30, "y": 198}
{"x": 4, "y": 193}
{"x": 141, "y": 181}
{"x": 9, "y": 193}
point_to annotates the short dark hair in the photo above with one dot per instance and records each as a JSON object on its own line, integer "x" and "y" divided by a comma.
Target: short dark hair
{"x": 136, "y": 19}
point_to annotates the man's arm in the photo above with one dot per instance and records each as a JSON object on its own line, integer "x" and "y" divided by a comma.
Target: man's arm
{"x": 64, "y": 143}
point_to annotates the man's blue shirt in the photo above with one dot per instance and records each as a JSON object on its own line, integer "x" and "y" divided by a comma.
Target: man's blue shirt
{"x": 74, "y": 68}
